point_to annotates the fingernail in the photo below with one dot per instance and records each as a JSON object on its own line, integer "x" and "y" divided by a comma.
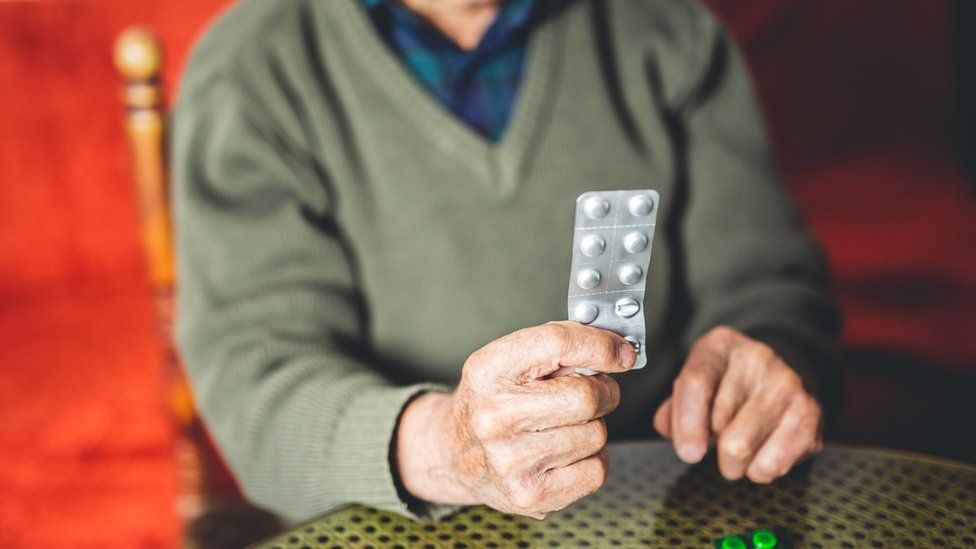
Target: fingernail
{"x": 690, "y": 453}
{"x": 627, "y": 354}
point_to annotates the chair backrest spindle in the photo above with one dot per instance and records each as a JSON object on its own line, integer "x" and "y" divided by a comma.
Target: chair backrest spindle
{"x": 138, "y": 57}
{"x": 208, "y": 496}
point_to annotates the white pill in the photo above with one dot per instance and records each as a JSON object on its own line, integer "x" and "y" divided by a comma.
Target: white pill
{"x": 635, "y": 242}
{"x": 592, "y": 245}
{"x": 640, "y": 205}
{"x": 586, "y": 313}
{"x": 630, "y": 274}
{"x": 596, "y": 207}
{"x": 626, "y": 307}
{"x": 588, "y": 279}
{"x": 633, "y": 341}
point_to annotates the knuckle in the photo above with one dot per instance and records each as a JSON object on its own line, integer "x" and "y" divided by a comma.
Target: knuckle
{"x": 476, "y": 368}
{"x": 595, "y": 437}
{"x": 765, "y": 471}
{"x": 588, "y": 397}
{"x": 471, "y": 365}
{"x": 813, "y": 406}
{"x": 792, "y": 384}
{"x": 806, "y": 404}
{"x": 691, "y": 381}
{"x": 556, "y": 334}
{"x": 505, "y": 464}
{"x": 602, "y": 472}
{"x": 477, "y": 356}
{"x": 485, "y": 424}
{"x": 757, "y": 355}
{"x": 729, "y": 470}
{"x": 513, "y": 487}
{"x": 593, "y": 478}
{"x": 736, "y": 448}
{"x": 812, "y": 442}
{"x": 716, "y": 333}
{"x": 604, "y": 394}
{"x": 593, "y": 484}
{"x": 527, "y": 499}
{"x": 613, "y": 389}
{"x": 719, "y": 334}
{"x": 599, "y": 437}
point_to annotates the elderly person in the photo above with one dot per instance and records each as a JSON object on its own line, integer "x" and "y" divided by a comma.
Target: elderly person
{"x": 374, "y": 204}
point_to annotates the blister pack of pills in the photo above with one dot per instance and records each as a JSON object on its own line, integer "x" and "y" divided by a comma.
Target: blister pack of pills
{"x": 611, "y": 255}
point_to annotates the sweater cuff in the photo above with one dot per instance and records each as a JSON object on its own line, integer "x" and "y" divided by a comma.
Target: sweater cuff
{"x": 363, "y": 456}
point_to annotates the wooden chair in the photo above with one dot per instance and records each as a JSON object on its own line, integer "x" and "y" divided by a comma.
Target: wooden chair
{"x": 208, "y": 499}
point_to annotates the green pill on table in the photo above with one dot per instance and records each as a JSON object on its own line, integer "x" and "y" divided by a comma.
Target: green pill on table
{"x": 764, "y": 539}
{"x": 733, "y": 542}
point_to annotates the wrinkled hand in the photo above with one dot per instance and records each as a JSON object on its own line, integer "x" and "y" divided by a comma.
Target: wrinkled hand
{"x": 736, "y": 390}
{"x": 513, "y": 436}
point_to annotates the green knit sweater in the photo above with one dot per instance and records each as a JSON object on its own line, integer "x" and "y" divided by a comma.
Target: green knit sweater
{"x": 345, "y": 243}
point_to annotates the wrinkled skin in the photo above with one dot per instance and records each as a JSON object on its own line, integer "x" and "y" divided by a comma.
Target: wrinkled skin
{"x": 521, "y": 433}
{"x": 524, "y": 434}
{"x": 736, "y": 391}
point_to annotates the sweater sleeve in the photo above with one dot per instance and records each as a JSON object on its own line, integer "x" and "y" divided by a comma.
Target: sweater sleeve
{"x": 750, "y": 262}
{"x": 271, "y": 324}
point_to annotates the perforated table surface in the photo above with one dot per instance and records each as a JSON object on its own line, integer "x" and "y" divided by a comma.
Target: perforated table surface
{"x": 842, "y": 498}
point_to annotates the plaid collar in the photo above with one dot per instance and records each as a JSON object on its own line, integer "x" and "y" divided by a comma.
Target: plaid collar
{"x": 480, "y": 85}
{"x": 513, "y": 17}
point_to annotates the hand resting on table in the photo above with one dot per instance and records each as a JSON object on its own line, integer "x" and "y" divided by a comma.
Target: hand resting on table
{"x": 522, "y": 434}
{"x": 736, "y": 391}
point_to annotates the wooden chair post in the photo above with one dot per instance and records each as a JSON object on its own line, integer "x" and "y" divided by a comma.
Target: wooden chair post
{"x": 209, "y": 499}
{"x": 138, "y": 57}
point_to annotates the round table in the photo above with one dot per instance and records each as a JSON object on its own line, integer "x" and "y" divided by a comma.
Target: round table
{"x": 844, "y": 497}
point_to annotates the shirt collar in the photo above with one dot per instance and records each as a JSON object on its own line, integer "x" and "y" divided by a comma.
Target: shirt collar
{"x": 513, "y": 16}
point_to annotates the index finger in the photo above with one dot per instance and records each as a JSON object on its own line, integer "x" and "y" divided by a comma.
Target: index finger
{"x": 691, "y": 402}
{"x": 541, "y": 350}
{"x": 567, "y": 400}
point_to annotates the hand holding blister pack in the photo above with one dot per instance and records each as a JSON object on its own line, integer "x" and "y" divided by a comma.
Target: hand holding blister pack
{"x": 611, "y": 255}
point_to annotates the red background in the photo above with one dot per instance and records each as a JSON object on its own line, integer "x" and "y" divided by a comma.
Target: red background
{"x": 859, "y": 97}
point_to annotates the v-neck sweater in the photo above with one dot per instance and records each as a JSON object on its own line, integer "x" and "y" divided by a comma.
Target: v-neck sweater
{"x": 344, "y": 242}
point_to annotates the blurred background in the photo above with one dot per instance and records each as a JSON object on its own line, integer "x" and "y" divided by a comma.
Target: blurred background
{"x": 871, "y": 108}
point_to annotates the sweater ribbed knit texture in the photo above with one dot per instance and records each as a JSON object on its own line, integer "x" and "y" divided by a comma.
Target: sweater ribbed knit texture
{"x": 345, "y": 243}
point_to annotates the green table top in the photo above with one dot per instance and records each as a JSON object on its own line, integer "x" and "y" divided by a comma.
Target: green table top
{"x": 844, "y": 497}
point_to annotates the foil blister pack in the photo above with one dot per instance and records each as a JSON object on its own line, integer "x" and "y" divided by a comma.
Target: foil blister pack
{"x": 611, "y": 254}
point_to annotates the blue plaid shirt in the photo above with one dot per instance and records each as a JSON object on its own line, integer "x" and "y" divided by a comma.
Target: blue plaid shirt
{"x": 480, "y": 85}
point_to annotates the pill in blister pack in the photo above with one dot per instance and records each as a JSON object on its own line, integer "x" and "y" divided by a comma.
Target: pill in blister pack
{"x": 611, "y": 255}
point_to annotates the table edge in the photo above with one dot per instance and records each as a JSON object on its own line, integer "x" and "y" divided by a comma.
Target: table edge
{"x": 897, "y": 452}
{"x": 889, "y": 452}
